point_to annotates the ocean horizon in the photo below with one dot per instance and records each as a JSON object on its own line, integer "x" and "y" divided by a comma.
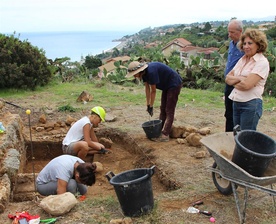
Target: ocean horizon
{"x": 73, "y": 44}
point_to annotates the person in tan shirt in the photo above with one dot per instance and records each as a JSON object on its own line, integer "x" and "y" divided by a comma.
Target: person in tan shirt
{"x": 248, "y": 78}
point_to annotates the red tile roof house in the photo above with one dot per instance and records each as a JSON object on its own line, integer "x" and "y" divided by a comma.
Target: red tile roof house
{"x": 185, "y": 48}
{"x": 188, "y": 51}
{"x": 110, "y": 67}
{"x": 175, "y": 45}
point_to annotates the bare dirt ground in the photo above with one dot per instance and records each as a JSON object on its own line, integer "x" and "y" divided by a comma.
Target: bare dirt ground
{"x": 180, "y": 178}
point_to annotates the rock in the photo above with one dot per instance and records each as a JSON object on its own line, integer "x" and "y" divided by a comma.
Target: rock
{"x": 185, "y": 134}
{"x": 177, "y": 132}
{"x": 58, "y": 204}
{"x": 42, "y": 119}
{"x": 110, "y": 118}
{"x": 5, "y": 186}
{"x": 190, "y": 129}
{"x": 200, "y": 154}
{"x": 181, "y": 141}
{"x": 39, "y": 129}
{"x": 85, "y": 97}
{"x": 70, "y": 120}
{"x": 127, "y": 220}
{"x": 116, "y": 221}
{"x": 194, "y": 139}
{"x": 106, "y": 142}
{"x": 49, "y": 126}
{"x": 99, "y": 167}
{"x": 204, "y": 131}
{"x": 49, "y": 111}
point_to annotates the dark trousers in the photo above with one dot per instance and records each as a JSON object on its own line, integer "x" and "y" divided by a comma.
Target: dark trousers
{"x": 169, "y": 100}
{"x": 229, "y": 124}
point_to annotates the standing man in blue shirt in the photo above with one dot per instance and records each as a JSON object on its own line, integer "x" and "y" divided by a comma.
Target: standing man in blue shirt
{"x": 157, "y": 75}
{"x": 235, "y": 28}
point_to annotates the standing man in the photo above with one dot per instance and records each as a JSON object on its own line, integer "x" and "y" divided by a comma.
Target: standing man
{"x": 157, "y": 75}
{"x": 235, "y": 28}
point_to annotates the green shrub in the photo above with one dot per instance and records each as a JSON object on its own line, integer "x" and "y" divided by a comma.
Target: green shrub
{"x": 270, "y": 87}
{"x": 67, "y": 107}
{"x": 22, "y": 66}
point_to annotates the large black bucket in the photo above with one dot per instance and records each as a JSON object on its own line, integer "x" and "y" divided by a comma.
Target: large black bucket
{"x": 152, "y": 128}
{"x": 253, "y": 151}
{"x": 134, "y": 190}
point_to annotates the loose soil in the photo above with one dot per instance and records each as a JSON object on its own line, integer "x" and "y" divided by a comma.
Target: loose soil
{"x": 180, "y": 178}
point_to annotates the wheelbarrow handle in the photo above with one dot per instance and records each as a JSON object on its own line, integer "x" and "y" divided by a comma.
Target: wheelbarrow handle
{"x": 151, "y": 170}
{"x": 236, "y": 129}
{"x": 109, "y": 175}
{"x": 197, "y": 203}
{"x": 205, "y": 213}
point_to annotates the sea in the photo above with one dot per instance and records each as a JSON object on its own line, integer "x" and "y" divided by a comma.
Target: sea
{"x": 74, "y": 44}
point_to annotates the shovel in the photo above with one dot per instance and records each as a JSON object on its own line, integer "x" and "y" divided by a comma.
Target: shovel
{"x": 195, "y": 210}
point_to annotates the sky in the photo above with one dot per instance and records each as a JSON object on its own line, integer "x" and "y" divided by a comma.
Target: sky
{"x": 122, "y": 15}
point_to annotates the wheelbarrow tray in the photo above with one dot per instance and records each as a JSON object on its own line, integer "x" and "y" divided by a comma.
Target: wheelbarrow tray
{"x": 221, "y": 147}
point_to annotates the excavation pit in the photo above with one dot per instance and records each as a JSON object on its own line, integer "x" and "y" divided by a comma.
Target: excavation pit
{"x": 125, "y": 155}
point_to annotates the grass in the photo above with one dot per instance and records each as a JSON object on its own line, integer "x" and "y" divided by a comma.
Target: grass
{"x": 109, "y": 95}
{"x": 64, "y": 96}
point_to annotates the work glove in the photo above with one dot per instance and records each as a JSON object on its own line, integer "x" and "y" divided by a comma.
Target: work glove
{"x": 150, "y": 110}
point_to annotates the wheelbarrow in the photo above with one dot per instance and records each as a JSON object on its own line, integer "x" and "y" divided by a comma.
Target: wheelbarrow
{"x": 227, "y": 175}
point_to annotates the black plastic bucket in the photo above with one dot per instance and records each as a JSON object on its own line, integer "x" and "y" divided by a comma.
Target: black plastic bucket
{"x": 152, "y": 128}
{"x": 253, "y": 151}
{"x": 134, "y": 190}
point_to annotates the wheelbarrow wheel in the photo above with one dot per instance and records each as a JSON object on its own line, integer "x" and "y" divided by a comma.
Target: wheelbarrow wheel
{"x": 224, "y": 186}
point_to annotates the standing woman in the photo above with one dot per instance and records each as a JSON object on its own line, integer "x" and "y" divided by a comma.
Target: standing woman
{"x": 157, "y": 75}
{"x": 248, "y": 78}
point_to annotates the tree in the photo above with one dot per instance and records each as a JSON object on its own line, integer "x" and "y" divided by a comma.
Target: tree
{"x": 92, "y": 62}
{"x": 271, "y": 33}
{"x": 22, "y": 65}
{"x": 207, "y": 26}
{"x": 115, "y": 52}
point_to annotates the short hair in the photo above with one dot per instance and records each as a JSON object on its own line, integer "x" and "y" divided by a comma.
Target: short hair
{"x": 257, "y": 36}
{"x": 87, "y": 173}
{"x": 237, "y": 23}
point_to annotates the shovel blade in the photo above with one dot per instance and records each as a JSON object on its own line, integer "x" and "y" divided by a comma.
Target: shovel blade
{"x": 192, "y": 210}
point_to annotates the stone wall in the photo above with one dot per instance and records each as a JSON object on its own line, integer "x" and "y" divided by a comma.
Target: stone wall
{"x": 12, "y": 155}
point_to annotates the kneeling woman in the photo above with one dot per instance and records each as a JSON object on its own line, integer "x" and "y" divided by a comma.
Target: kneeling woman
{"x": 66, "y": 173}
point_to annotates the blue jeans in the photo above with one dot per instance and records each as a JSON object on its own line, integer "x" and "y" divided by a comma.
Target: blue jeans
{"x": 247, "y": 114}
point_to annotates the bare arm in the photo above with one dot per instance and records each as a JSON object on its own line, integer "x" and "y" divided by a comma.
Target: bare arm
{"x": 90, "y": 138}
{"x": 150, "y": 93}
{"x": 93, "y": 136}
{"x": 61, "y": 186}
{"x": 248, "y": 82}
{"x": 232, "y": 80}
{"x": 147, "y": 91}
{"x": 241, "y": 82}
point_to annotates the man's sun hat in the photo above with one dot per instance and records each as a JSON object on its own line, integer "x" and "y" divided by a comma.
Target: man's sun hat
{"x": 135, "y": 67}
{"x": 99, "y": 111}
